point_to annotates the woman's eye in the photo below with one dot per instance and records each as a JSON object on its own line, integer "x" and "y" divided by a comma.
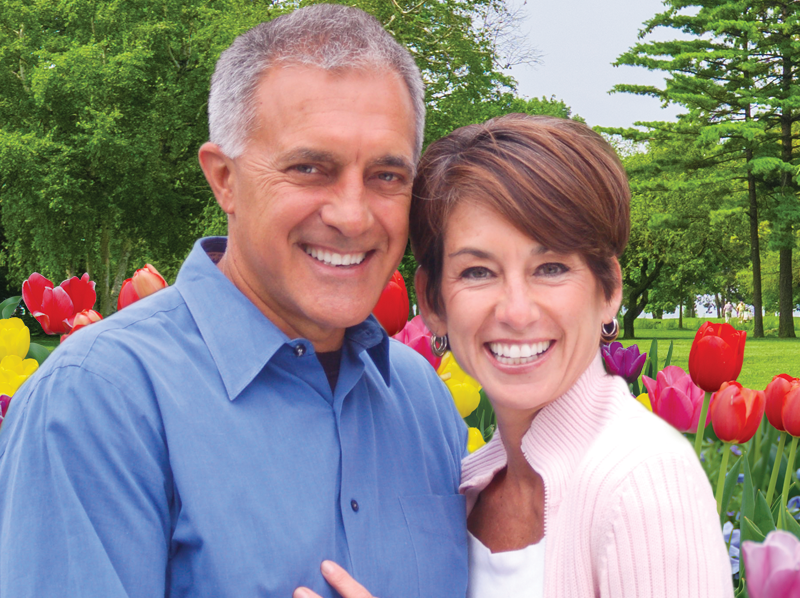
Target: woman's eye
{"x": 552, "y": 269}
{"x": 476, "y": 273}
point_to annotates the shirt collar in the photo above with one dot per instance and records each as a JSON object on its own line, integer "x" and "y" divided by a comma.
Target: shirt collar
{"x": 240, "y": 338}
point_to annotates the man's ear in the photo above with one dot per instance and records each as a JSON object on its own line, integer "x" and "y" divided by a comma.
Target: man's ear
{"x": 219, "y": 171}
{"x": 436, "y": 323}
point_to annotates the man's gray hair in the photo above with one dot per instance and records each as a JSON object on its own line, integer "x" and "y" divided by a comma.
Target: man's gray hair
{"x": 328, "y": 36}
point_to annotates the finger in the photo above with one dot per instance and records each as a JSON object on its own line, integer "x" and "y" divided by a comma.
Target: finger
{"x": 342, "y": 582}
{"x": 305, "y": 593}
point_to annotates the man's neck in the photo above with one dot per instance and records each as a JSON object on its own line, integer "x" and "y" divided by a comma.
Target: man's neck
{"x": 323, "y": 340}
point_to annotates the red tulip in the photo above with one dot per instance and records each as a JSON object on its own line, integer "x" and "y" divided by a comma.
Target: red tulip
{"x": 84, "y": 318}
{"x": 736, "y": 412}
{"x": 716, "y": 355}
{"x": 127, "y": 294}
{"x": 81, "y": 292}
{"x": 55, "y": 307}
{"x": 147, "y": 281}
{"x": 776, "y": 392}
{"x": 392, "y": 307}
{"x": 791, "y": 411}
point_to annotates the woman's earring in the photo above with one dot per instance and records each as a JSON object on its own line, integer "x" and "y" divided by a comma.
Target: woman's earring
{"x": 610, "y": 331}
{"x": 438, "y": 345}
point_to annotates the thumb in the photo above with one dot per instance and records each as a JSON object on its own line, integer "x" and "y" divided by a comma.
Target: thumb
{"x": 342, "y": 582}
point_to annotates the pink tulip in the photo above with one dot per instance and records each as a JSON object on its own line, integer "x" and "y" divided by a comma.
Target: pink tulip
{"x": 675, "y": 398}
{"x": 417, "y": 336}
{"x": 772, "y": 568}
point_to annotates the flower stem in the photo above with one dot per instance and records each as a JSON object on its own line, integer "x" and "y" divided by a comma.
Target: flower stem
{"x": 787, "y": 479}
{"x": 775, "y": 469}
{"x": 723, "y": 469}
{"x": 701, "y": 425}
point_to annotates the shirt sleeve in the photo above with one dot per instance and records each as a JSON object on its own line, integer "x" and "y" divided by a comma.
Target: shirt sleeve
{"x": 663, "y": 537}
{"x": 85, "y": 490}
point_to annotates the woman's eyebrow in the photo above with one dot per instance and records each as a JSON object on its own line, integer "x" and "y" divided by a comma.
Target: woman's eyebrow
{"x": 478, "y": 253}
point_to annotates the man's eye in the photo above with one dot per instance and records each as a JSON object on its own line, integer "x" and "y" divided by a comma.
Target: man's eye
{"x": 476, "y": 273}
{"x": 389, "y": 177}
{"x": 305, "y": 169}
{"x": 552, "y": 269}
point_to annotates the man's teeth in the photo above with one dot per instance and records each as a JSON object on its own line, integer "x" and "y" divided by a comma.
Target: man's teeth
{"x": 515, "y": 354}
{"x": 336, "y": 259}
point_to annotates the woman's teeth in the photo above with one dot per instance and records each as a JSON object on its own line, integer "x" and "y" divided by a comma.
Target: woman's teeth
{"x": 516, "y": 354}
{"x": 336, "y": 259}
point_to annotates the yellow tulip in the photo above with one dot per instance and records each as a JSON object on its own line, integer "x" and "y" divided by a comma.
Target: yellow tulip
{"x": 15, "y": 338}
{"x": 474, "y": 440}
{"x": 465, "y": 390}
{"x": 644, "y": 399}
{"x": 13, "y": 372}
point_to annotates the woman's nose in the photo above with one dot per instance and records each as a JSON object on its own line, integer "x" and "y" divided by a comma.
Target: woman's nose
{"x": 517, "y": 307}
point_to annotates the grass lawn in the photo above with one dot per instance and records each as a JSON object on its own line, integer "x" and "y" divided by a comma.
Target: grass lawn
{"x": 763, "y": 357}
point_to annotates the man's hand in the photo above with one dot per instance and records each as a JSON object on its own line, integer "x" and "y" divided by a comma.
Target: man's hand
{"x": 341, "y": 582}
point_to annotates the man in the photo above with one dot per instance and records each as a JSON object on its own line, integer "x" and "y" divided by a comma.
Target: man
{"x": 226, "y": 435}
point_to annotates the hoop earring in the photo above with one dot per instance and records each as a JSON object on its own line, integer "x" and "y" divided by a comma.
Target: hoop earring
{"x": 610, "y": 331}
{"x": 439, "y": 345}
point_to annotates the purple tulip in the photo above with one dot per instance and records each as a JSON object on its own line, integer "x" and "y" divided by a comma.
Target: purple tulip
{"x": 773, "y": 567}
{"x": 627, "y": 363}
{"x": 4, "y": 402}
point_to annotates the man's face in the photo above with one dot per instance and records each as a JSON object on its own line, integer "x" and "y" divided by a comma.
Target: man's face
{"x": 319, "y": 200}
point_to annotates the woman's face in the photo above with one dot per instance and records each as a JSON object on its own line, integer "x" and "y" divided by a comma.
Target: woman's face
{"x": 523, "y": 320}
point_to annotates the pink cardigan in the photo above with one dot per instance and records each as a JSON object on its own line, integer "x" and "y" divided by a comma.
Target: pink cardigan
{"x": 629, "y": 512}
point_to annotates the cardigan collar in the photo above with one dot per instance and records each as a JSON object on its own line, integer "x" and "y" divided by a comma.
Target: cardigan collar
{"x": 559, "y": 437}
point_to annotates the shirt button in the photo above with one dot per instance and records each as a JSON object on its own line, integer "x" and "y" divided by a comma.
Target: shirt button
{"x": 300, "y": 350}
{"x": 354, "y": 506}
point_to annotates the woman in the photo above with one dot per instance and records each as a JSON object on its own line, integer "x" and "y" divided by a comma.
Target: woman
{"x": 517, "y": 226}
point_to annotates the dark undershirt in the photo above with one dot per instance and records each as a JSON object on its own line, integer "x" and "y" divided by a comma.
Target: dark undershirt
{"x": 330, "y": 363}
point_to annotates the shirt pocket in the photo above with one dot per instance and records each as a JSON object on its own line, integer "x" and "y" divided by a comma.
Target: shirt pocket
{"x": 438, "y": 529}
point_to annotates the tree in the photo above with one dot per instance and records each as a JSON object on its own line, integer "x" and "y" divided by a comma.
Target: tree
{"x": 104, "y": 107}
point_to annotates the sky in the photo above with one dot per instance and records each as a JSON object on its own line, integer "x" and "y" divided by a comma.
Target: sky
{"x": 577, "y": 41}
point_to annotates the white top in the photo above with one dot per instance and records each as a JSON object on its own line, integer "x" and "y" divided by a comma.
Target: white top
{"x": 517, "y": 573}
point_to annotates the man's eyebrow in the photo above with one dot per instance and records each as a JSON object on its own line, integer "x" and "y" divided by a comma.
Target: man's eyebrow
{"x": 395, "y": 162}
{"x": 305, "y": 154}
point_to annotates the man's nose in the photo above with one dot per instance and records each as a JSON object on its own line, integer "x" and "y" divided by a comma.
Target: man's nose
{"x": 517, "y": 307}
{"x": 348, "y": 208}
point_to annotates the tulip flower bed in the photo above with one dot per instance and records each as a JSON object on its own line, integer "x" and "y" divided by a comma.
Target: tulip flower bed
{"x": 758, "y": 494}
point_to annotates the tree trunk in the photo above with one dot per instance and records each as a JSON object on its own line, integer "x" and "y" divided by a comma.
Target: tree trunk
{"x": 658, "y": 314}
{"x": 105, "y": 272}
{"x": 718, "y": 303}
{"x": 680, "y": 315}
{"x": 122, "y": 269}
{"x": 786, "y": 321}
{"x": 637, "y": 297}
{"x": 755, "y": 254}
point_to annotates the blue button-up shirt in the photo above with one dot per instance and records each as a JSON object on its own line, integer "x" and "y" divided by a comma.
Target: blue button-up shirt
{"x": 187, "y": 447}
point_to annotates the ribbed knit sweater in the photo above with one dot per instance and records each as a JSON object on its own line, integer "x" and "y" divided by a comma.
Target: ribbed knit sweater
{"x": 629, "y": 511}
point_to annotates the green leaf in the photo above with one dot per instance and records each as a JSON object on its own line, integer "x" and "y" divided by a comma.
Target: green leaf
{"x": 730, "y": 484}
{"x": 762, "y": 516}
{"x": 750, "y": 531}
{"x": 791, "y": 524}
{"x": 748, "y": 500}
{"x": 668, "y": 360}
{"x": 653, "y": 358}
{"x": 38, "y": 352}
{"x": 9, "y": 306}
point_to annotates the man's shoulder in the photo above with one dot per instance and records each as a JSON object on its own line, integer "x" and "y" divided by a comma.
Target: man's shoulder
{"x": 142, "y": 332}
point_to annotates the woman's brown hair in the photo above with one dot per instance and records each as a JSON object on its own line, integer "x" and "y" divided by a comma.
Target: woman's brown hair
{"x": 554, "y": 179}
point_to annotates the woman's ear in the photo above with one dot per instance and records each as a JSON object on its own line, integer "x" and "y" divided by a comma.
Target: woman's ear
{"x": 615, "y": 302}
{"x": 435, "y": 323}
